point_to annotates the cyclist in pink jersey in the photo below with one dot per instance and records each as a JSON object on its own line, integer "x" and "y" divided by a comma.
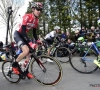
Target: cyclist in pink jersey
{"x": 29, "y": 22}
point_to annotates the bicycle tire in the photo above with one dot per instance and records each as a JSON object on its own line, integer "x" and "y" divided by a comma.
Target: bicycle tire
{"x": 53, "y": 73}
{"x": 84, "y": 66}
{"x": 8, "y": 73}
{"x": 62, "y": 54}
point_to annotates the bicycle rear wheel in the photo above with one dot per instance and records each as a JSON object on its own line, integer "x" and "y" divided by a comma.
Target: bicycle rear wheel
{"x": 84, "y": 64}
{"x": 62, "y": 54}
{"x": 8, "y": 73}
{"x": 48, "y": 73}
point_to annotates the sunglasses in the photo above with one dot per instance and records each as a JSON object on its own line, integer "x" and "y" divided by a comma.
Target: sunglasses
{"x": 39, "y": 9}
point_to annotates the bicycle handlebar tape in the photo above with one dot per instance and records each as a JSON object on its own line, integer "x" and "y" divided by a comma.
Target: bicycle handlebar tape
{"x": 34, "y": 46}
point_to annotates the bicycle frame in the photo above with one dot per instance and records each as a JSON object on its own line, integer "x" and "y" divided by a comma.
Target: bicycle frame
{"x": 24, "y": 72}
{"x": 54, "y": 48}
{"x": 93, "y": 47}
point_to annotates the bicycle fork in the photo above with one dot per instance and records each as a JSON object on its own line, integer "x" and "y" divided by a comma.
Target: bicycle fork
{"x": 40, "y": 64}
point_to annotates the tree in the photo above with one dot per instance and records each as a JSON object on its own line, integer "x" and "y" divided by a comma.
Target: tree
{"x": 16, "y": 5}
{"x": 60, "y": 13}
{"x": 67, "y": 13}
{"x": 85, "y": 12}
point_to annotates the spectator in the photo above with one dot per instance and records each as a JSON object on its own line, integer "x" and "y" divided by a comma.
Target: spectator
{"x": 77, "y": 35}
{"x": 91, "y": 34}
{"x": 93, "y": 29}
{"x": 68, "y": 35}
{"x": 70, "y": 44}
{"x": 83, "y": 32}
{"x": 97, "y": 31}
{"x": 63, "y": 35}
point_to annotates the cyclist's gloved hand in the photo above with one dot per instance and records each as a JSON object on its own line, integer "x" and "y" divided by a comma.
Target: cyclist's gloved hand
{"x": 38, "y": 42}
{"x": 33, "y": 45}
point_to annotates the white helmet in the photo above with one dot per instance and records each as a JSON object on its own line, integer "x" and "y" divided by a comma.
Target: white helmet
{"x": 56, "y": 28}
{"x": 98, "y": 22}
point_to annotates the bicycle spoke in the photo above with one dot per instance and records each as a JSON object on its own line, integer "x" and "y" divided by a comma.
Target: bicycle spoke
{"x": 53, "y": 72}
{"x": 8, "y": 73}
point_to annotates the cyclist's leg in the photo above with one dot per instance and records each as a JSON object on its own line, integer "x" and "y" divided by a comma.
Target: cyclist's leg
{"x": 19, "y": 58}
{"x": 29, "y": 75}
{"x": 25, "y": 50}
{"x": 48, "y": 50}
{"x": 49, "y": 43}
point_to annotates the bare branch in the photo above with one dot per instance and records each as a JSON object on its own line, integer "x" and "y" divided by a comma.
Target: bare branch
{"x": 16, "y": 5}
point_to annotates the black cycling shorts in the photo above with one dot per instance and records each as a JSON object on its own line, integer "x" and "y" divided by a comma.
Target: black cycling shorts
{"x": 49, "y": 41}
{"x": 19, "y": 41}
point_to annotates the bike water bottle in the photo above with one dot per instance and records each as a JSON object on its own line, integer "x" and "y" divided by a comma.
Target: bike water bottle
{"x": 21, "y": 66}
{"x": 25, "y": 63}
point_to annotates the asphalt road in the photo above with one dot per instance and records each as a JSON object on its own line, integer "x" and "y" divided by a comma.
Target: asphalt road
{"x": 71, "y": 80}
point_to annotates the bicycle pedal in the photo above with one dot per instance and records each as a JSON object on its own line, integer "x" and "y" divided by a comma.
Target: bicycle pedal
{"x": 9, "y": 74}
{"x": 22, "y": 77}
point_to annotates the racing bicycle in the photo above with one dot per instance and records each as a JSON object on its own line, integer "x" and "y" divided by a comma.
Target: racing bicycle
{"x": 44, "y": 72}
{"x": 85, "y": 64}
{"x": 58, "y": 51}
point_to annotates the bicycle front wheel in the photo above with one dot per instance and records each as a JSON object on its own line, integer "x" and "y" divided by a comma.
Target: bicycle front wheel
{"x": 48, "y": 73}
{"x": 62, "y": 54}
{"x": 8, "y": 73}
{"x": 84, "y": 64}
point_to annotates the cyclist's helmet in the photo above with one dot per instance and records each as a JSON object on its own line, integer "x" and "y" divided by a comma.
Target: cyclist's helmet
{"x": 98, "y": 22}
{"x": 81, "y": 39}
{"x": 56, "y": 28}
{"x": 37, "y": 5}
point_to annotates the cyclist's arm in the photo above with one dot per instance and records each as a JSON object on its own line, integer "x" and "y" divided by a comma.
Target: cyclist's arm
{"x": 24, "y": 34}
{"x": 58, "y": 38}
{"x": 35, "y": 34}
